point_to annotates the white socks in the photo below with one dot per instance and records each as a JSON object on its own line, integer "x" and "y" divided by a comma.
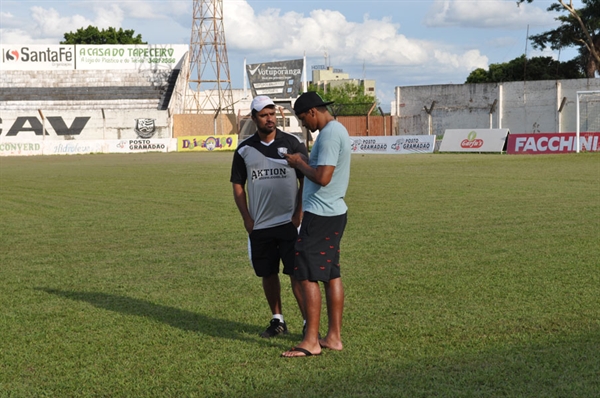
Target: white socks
{"x": 279, "y": 317}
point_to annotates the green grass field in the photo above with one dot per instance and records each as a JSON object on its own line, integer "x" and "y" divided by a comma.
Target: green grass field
{"x": 465, "y": 276}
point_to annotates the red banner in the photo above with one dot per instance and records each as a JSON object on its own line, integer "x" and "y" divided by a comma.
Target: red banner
{"x": 549, "y": 143}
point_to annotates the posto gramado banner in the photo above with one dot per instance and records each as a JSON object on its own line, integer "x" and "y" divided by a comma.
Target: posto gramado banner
{"x": 276, "y": 79}
{"x": 91, "y": 57}
{"x": 207, "y": 143}
{"x": 548, "y": 143}
{"x": 475, "y": 140}
{"x": 398, "y": 144}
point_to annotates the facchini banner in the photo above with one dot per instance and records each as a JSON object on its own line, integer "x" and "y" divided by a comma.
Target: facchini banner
{"x": 548, "y": 143}
{"x": 397, "y": 144}
{"x": 477, "y": 140}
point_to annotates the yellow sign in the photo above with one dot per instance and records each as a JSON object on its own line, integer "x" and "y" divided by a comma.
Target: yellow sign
{"x": 207, "y": 143}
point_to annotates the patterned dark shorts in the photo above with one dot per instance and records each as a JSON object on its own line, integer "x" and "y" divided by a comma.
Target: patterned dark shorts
{"x": 318, "y": 247}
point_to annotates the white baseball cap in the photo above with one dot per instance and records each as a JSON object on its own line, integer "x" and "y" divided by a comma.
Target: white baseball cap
{"x": 260, "y": 102}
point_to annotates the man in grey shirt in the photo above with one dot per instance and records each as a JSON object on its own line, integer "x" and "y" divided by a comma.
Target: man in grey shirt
{"x": 268, "y": 192}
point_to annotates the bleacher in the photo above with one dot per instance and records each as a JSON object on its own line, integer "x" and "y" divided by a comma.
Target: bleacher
{"x": 85, "y": 89}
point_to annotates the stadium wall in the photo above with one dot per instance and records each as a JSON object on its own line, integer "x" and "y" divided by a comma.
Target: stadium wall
{"x": 521, "y": 107}
{"x": 83, "y": 124}
{"x": 72, "y": 93}
{"x": 194, "y": 124}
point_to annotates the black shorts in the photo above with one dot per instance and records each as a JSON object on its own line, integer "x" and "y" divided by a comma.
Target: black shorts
{"x": 318, "y": 247}
{"x": 266, "y": 247}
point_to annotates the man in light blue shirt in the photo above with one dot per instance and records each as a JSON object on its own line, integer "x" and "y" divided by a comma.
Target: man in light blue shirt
{"x": 327, "y": 174}
{"x": 332, "y": 148}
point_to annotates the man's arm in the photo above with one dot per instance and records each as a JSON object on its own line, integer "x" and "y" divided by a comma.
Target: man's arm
{"x": 297, "y": 216}
{"x": 321, "y": 175}
{"x": 239, "y": 196}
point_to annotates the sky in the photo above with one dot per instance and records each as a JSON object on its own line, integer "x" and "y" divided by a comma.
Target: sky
{"x": 394, "y": 42}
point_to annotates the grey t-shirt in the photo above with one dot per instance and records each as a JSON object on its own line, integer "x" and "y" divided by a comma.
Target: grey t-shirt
{"x": 271, "y": 184}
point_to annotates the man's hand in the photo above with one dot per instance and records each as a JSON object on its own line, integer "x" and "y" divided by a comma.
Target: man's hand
{"x": 249, "y": 225}
{"x": 296, "y": 159}
{"x": 296, "y": 220}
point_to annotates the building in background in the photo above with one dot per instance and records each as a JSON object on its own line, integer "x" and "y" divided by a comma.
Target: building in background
{"x": 325, "y": 77}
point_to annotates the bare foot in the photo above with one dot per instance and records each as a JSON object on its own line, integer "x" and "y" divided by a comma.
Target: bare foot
{"x": 300, "y": 352}
{"x": 331, "y": 345}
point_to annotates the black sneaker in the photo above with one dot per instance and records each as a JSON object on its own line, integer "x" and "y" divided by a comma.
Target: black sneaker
{"x": 275, "y": 327}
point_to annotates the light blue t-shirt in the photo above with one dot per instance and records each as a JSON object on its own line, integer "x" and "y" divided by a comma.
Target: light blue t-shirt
{"x": 332, "y": 148}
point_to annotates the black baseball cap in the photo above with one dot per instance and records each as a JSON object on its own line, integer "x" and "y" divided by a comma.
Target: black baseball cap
{"x": 308, "y": 101}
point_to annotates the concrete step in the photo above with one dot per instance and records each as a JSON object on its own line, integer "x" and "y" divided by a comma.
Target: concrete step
{"x": 75, "y": 105}
{"x": 41, "y": 89}
{"x": 83, "y": 78}
{"x": 78, "y": 93}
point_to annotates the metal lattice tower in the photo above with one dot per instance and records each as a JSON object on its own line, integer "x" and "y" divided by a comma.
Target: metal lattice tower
{"x": 209, "y": 81}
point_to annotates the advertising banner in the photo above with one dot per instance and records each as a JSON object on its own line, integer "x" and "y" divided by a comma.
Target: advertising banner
{"x": 21, "y": 148}
{"x": 404, "y": 144}
{"x": 276, "y": 79}
{"x": 37, "y": 57}
{"x": 70, "y": 147}
{"x": 207, "y": 143}
{"x": 51, "y": 147}
{"x": 549, "y": 143}
{"x": 140, "y": 145}
{"x": 109, "y": 57}
{"x": 476, "y": 140}
{"x": 84, "y": 147}
{"x": 91, "y": 57}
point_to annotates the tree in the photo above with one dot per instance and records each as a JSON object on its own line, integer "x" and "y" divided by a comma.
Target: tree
{"x": 349, "y": 99}
{"x": 521, "y": 68}
{"x": 92, "y": 35}
{"x": 580, "y": 28}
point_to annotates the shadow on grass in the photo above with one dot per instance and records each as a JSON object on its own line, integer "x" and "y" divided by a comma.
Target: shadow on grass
{"x": 175, "y": 317}
{"x": 567, "y": 366}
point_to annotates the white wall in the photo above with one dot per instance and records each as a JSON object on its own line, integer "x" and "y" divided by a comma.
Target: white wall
{"x": 521, "y": 107}
{"x": 110, "y": 124}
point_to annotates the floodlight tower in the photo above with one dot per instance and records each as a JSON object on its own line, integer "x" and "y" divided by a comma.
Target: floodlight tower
{"x": 208, "y": 79}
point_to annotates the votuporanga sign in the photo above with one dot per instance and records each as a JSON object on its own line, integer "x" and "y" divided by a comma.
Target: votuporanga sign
{"x": 276, "y": 79}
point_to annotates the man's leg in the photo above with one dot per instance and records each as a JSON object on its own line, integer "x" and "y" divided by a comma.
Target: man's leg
{"x": 312, "y": 307}
{"x": 287, "y": 253}
{"x": 297, "y": 290}
{"x": 272, "y": 290}
{"x": 334, "y": 294}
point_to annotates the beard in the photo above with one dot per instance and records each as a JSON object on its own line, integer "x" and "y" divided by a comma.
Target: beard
{"x": 267, "y": 129}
